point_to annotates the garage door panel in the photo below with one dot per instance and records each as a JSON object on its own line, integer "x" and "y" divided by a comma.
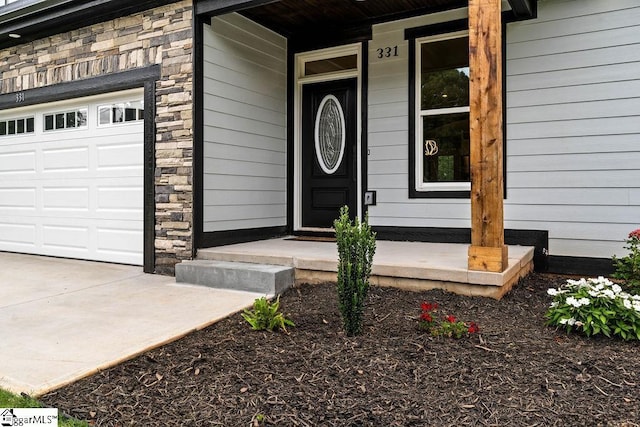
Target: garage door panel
{"x": 17, "y": 237}
{"x": 17, "y": 199}
{"x": 17, "y": 163}
{"x": 61, "y": 199}
{"x": 121, "y": 156}
{"x": 65, "y": 159}
{"x": 113, "y": 240}
{"x": 112, "y": 198}
{"x": 74, "y": 192}
{"x": 66, "y": 237}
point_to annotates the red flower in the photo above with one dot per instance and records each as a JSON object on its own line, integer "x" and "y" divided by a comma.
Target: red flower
{"x": 473, "y": 328}
{"x": 635, "y": 233}
{"x": 426, "y": 317}
{"x": 450, "y": 318}
{"x": 427, "y": 306}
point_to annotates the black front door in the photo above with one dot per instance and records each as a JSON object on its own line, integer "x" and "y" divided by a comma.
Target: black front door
{"x": 328, "y": 151}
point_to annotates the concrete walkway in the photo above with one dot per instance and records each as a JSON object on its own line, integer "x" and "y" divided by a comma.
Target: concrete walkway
{"x": 61, "y": 320}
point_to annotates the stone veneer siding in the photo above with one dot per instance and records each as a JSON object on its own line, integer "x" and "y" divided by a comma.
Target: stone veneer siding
{"x": 161, "y": 36}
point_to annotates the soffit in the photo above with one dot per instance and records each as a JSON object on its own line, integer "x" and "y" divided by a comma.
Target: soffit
{"x": 291, "y": 17}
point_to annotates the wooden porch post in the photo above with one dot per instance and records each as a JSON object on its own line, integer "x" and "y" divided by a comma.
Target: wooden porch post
{"x": 487, "y": 251}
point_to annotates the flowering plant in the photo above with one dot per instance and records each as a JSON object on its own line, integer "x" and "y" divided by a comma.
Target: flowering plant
{"x": 445, "y": 326}
{"x": 628, "y": 267}
{"x": 595, "y": 306}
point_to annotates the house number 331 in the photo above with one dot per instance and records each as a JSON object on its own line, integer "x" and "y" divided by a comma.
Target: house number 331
{"x": 387, "y": 52}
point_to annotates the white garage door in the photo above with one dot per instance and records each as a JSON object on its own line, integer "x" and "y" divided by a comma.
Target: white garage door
{"x": 71, "y": 178}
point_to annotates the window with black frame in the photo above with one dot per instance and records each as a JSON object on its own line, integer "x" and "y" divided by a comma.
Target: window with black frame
{"x": 442, "y": 125}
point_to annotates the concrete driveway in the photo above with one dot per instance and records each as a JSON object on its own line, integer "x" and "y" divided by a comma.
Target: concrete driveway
{"x": 61, "y": 320}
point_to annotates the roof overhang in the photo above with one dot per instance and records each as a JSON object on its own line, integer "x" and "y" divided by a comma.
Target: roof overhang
{"x": 34, "y": 19}
{"x": 524, "y": 9}
{"x": 302, "y": 18}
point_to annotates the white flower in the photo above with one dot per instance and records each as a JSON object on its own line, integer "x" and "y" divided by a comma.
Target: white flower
{"x": 616, "y": 288}
{"x": 552, "y": 291}
{"x": 563, "y": 321}
{"x": 584, "y": 301}
{"x": 578, "y": 323}
{"x": 635, "y": 297}
{"x": 572, "y": 301}
{"x": 627, "y": 304}
{"x": 554, "y": 304}
{"x": 593, "y": 293}
{"x": 608, "y": 293}
{"x": 571, "y": 321}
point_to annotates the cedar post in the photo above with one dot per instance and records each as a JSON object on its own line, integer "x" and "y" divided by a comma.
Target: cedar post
{"x": 487, "y": 251}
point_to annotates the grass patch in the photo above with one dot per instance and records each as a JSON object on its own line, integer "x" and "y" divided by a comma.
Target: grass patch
{"x": 10, "y": 400}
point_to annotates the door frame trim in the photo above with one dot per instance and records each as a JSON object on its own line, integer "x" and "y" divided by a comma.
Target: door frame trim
{"x": 299, "y": 81}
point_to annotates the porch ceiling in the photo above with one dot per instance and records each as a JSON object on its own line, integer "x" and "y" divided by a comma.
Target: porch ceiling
{"x": 300, "y": 17}
{"x": 308, "y": 20}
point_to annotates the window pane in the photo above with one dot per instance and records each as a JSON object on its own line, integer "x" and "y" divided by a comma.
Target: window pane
{"x": 118, "y": 115}
{"x": 105, "y": 115}
{"x": 48, "y": 122}
{"x": 445, "y": 74}
{"x": 82, "y": 118}
{"x": 140, "y": 114}
{"x": 30, "y": 125}
{"x": 130, "y": 114}
{"x": 446, "y": 148}
{"x": 20, "y": 126}
{"x": 12, "y": 127}
{"x": 71, "y": 120}
{"x": 60, "y": 121}
{"x": 3, "y": 128}
{"x": 349, "y": 62}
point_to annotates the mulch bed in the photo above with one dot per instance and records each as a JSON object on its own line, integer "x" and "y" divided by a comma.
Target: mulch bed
{"x": 516, "y": 372}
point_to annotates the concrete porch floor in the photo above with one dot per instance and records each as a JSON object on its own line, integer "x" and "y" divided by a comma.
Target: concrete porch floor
{"x": 407, "y": 265}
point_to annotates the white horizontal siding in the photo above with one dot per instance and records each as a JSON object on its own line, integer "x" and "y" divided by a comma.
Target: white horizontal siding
{"x": 244, "y": 183}
{"x": 388, "y": 135}
{"x": 573, "y": 125}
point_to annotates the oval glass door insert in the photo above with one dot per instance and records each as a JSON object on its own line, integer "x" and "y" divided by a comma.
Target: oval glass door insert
{"x": 329, "y": 134}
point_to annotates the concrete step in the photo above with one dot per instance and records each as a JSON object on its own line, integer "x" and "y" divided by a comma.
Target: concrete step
{"x": 263, "y": 278}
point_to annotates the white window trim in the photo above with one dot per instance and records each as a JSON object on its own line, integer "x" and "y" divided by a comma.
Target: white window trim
{"x": 16, "y": 118}
{"x": 419, "y": 163}
{"x": 110, "y": 106}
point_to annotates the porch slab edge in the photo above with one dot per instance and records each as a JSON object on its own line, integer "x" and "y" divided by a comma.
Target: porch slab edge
{"x": 418, "y": 285}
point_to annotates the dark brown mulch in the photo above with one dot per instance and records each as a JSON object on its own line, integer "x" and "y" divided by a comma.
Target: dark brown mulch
{"x": 517, "y": 372}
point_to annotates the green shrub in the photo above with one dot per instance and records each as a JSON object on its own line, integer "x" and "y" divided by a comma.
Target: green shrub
{"x": 595, "y": 306}
{"x": 266, "y": 316}
{"x": 356, "y": 247}
{"x": 628, "y": 267}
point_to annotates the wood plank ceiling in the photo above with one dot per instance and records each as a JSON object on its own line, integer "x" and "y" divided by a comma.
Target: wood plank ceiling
{"x": 291, "y": 17}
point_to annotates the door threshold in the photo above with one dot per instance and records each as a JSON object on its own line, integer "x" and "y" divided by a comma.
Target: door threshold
{"x": 312, "y": 238}
{"x": 314, "y": 230}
